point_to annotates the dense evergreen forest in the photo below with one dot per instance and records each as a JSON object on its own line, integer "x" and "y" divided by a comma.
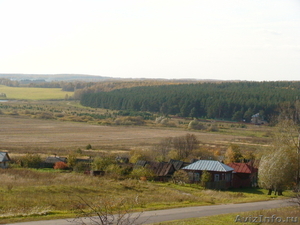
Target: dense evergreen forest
{"x": 226, "y": 100}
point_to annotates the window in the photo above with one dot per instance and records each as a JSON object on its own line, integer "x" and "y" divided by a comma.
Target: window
{"x": 217, "y": 177}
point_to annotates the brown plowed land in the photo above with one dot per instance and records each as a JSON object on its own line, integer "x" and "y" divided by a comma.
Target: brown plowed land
{"x": 35, "y": 135}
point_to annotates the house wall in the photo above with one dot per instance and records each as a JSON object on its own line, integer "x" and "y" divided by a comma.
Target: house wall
{"x": 241, "y": 180}
{"x": 4, "y": 165}
{"x": 219, "y": 180}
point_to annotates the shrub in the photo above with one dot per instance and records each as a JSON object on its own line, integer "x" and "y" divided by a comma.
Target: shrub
{"x": 60, "y": 166}
{"x": 117, "y": 171}
{"x": 205, "y": 178}
{"x": 142, "y": 172}
{"x": 180, "y": 177}
{"x": 196, "y": 125}
{"x": 30, "y": 161}
{"x": 81, "y": 167}
{"x": 101, "y": 163}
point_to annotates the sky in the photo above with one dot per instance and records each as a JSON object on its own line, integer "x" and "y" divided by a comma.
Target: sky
{"x": 255, "y": 40}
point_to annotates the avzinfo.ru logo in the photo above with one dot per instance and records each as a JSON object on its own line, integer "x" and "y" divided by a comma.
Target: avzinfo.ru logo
{"x": 265, "y": 219}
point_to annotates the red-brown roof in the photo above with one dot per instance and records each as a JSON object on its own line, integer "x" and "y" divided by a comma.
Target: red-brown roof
{"x": 242, "y": 168}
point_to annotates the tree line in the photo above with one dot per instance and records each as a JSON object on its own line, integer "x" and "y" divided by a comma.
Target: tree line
{"x": 226, "y": 100}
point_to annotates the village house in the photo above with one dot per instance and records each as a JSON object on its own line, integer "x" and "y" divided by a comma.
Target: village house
{"x": 178, "y": 164}
{"x": 257, "y": 119}
{"x": 163, "y": 171}
{"x": 4, "y": 160}
{"x": 221, "y": 174}
{"x": 50, "y": 161}
{"x": 244, "y": 175}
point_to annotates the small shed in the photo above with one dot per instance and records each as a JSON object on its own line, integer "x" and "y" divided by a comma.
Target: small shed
{"x": 50, "y": 161}
{"x": 4, "y": 160}
{"x": 244, "y": 175}
{"x": 221, "y": 174}
{"x": 163, "y": 171}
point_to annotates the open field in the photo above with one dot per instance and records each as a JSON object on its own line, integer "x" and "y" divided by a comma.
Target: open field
{"x": 28, "y": 194}
{"x": 33, "y": 93}
{"x": 18, "y": 134}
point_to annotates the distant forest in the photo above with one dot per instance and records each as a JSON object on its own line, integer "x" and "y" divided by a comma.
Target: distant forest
{"x": 226, "y": 100}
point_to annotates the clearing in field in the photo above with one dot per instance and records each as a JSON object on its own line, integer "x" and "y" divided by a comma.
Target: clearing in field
{"x": 33, "y": 93}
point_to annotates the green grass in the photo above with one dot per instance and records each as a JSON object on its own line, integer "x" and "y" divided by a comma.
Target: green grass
{"x": 27, "y": 93}
{"x": 32, "y": 192}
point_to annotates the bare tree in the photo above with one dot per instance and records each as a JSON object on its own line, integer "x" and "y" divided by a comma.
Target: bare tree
{"x": 105, "y": 211}
{"x": 185, "y": 145}
{"x": 163, "y": 148}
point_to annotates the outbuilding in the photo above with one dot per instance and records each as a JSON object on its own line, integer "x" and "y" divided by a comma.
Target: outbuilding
{"x": 4, "y": 160}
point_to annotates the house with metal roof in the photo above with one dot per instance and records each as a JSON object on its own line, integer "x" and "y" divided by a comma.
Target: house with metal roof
{"x": 244, "y": 175}
{"x": 221, "y": 174}
{"x": 4, "y": 160}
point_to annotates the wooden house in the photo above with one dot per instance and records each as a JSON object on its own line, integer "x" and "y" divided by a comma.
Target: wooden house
{"x": 178, "y": 164}
{"x": 163, "y": 171}
{"x": 50, "y": 161}
{"x": 4, "y": 160}
{"x": 244, "y": 175}
{"x": 221, "y": 174}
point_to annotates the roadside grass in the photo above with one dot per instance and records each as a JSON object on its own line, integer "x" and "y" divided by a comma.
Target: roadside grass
{"x": 28, "y": 93}
{"x": 290, "y": 215}
{"x": 30, "y": 193}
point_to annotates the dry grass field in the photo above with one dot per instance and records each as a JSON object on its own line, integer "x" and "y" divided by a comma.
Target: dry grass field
{"x": 20, "y": 135}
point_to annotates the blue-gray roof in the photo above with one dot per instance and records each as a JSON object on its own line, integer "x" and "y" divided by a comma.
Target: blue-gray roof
{"x": 209, "y": 165}
{"x": 4, "y": 157}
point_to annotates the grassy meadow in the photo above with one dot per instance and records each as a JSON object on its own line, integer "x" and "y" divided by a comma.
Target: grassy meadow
{"x": 29, "y": 194}
{"x": 27, "y": 93}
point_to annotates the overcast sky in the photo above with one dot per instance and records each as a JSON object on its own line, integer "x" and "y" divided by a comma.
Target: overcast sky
{"x": 202, "y": 39}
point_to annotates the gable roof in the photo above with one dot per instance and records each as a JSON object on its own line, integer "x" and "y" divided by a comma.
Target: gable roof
{"x": 4, "y": 157}
{"x": 140, "y": 163}
{"x": 242, "y": 168}
{"x": 208, "y": 165}
{"x": 178, "y": 164}
{"x": 55, "y": 159}
{"x": 161, "y": 168}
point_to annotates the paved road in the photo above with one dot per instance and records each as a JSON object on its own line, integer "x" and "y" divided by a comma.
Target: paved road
{"x": 156, "y": 216}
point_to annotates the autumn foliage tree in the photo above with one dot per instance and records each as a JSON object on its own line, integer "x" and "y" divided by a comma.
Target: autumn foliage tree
{"x": 60, "y": 166}
{"x": 233, "y": 154}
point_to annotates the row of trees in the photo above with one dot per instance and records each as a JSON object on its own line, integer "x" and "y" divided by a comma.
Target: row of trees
{"x": 228, "y": 100}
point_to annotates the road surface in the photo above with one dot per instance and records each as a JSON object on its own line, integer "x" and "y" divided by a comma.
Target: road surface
{"x": 156, "y": 216}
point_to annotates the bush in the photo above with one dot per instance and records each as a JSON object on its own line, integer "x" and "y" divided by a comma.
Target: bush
{"x": 117, "y": 171}
{"x": 81, "y": 167}
{"x": 142, "y": 172}
{"x": 101, "y": 163}
{"x": 30, "y": 161}
{"x": 60, "y": 166}
{"x": 180, "y": 177}
{"x": 196, "y": 125}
